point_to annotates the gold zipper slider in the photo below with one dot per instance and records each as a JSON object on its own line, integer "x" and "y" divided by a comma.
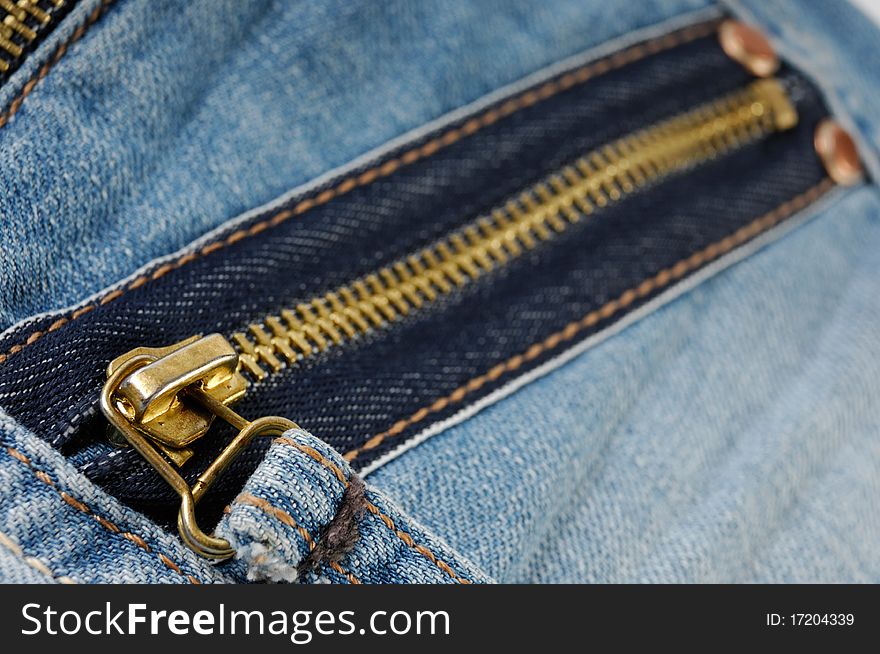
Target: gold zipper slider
{"x": 163, "y": 399}
{"x": 150, "y": 397}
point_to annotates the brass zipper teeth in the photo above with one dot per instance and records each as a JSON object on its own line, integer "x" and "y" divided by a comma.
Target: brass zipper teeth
{"x": 21, "y": 22}
{"x": 599, "y": 178}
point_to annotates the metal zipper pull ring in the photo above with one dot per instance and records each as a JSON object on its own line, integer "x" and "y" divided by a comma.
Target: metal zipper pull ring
{"x": 196, "y": 368}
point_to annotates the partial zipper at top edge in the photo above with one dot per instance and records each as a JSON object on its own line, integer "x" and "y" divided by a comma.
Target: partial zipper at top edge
{"x": 23, "y": 23}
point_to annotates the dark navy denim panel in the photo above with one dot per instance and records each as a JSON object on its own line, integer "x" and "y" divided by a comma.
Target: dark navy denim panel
{"x": 365, "y": 229}
{"x": 371, "y": 226}
{"x": 352, "y": 393}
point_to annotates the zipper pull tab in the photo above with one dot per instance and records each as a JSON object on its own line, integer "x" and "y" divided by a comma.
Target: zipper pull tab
{"x": 164, "y": 399}
{"x": 150, "y": 396}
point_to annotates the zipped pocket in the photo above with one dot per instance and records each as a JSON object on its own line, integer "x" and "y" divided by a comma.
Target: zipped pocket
{"x": 377, "y": 307}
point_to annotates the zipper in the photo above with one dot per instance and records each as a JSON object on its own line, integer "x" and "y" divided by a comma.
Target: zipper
{"x": 23, "y": 25}
{"x": 550, "y": 207}
{"x": 164, "y": 399}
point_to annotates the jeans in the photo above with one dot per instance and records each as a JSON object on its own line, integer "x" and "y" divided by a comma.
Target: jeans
{"x": 192, "y": 136}
{"x": 720, "y": 430}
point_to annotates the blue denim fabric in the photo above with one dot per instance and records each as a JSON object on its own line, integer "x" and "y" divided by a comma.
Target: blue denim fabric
{"x": 76, "y": 531}
{"x": 167, "y": 119}
{"x": 646, "y": 458}
{"x": 837, "y": 45}
{"x": 15, "y": 569}
{"x": 280, "y": 515}
{"x": 731, "y": 436}
{"x": 119, "y": 200}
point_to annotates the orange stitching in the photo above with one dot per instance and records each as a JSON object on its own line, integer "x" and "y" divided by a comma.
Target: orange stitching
{"x": 28, "y": 87}
{"x": 284, "y": 517}
{"x": 408, "y": 541}
{"x": 645, "y": 288}
{"x": 32, "y": 561}
{"x": 76, "y": 504}
{"x": 104, "y": 522}
{"x": 523, "y": 101}
{"x": 137, "y": 540}
{"x": 169, "y": 563}
{"x": 372, "y": 508}
{"x": 316, "y": 455}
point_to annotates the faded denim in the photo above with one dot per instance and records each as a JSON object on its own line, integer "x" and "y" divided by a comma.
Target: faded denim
{"x": 729, "y": 434}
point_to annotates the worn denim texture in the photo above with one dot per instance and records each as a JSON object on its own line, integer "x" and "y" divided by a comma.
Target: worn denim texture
{"x": 167, "y": 119}
{"x": 284, "y": 508}
{"x": 730, "y": 435}
{"x": 79, "y": 532}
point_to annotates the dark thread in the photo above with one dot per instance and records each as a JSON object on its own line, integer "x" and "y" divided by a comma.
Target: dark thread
{"x": 341, "y": 535}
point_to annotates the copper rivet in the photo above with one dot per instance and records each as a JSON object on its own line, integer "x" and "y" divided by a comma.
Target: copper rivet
{"x": 838, "y": 153}
{"x": 749, "y": 47}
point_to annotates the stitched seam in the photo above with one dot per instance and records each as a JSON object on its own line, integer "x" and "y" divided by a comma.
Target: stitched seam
{"x": 409, "y": 542}
{"x": 62, "y": 49}
{"x": 638, "y": 292}
{"x": 316, "y": 455}
{"x": 285, "y": 518}
{"x": 32, "y": 561}
{"x": 104, "y": 522}
{"x": 372, "y": 508}
{"x": 379, "y": 171}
